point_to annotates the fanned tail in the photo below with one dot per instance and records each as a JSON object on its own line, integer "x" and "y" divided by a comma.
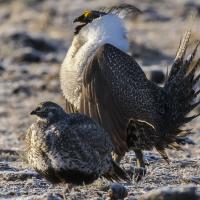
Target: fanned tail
{"x": 179, "y": 88}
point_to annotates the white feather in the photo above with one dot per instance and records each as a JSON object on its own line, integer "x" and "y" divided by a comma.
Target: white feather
{"x": 106, "y": 29}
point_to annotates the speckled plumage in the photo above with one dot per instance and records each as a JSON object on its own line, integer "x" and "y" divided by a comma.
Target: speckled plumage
{"x": 69, "y": 148}
{"x": 137, "y": 113}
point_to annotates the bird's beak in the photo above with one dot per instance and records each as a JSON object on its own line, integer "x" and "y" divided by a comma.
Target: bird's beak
{"x": 33, "y": 112}
{"x": 81, "y": 19}
{"x": 76, "y": 20}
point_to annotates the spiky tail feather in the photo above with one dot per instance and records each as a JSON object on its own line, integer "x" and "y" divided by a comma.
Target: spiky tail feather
{"x": 117, "y": 173}
{"x": 179, "y": 87}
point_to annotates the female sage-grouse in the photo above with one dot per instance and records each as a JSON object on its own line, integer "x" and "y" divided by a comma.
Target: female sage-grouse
{"x": 98, "y": 78}
{"x": 69, "y": 148}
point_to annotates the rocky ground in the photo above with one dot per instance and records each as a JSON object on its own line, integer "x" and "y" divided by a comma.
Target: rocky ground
{"x": 34, "y": 37}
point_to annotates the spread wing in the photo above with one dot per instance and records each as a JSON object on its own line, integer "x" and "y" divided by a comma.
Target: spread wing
{"x": 113, "y": 87}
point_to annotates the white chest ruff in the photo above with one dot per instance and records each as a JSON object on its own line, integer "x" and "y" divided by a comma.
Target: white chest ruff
{"x": 71, "y": 73}
{"x": 107, "y": 29}
{"x": 71, "y": 84}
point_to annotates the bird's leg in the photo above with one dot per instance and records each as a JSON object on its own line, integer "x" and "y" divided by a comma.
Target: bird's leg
{"x": 67, "y": 189}
{"x": 140, "y": 170}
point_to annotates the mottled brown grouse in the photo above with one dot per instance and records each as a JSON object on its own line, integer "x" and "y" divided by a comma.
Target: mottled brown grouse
{"x": 69, "y": 148}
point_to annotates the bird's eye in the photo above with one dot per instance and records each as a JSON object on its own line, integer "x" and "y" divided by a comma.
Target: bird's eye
{"x": 39, "y": 109}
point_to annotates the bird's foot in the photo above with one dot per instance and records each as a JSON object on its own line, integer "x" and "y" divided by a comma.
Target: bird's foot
{"x": 139, "y": 172}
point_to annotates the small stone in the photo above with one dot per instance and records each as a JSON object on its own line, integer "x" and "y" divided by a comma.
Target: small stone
{"x": 117, "y": 191}
{"x": 171, "y": 193}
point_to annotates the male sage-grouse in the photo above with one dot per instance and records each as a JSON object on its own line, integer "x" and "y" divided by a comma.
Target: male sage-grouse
{"x": 98, "y": 78}
{"x": 69, "y": 148}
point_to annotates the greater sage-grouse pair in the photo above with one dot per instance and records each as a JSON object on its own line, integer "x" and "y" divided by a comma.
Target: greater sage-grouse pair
{"x": 99, "y": 79}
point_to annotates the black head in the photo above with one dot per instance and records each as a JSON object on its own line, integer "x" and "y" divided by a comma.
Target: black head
{"x": 50, "y": 111}
{"x": 87, "y": 17}
{"x": 121, "y": 10}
